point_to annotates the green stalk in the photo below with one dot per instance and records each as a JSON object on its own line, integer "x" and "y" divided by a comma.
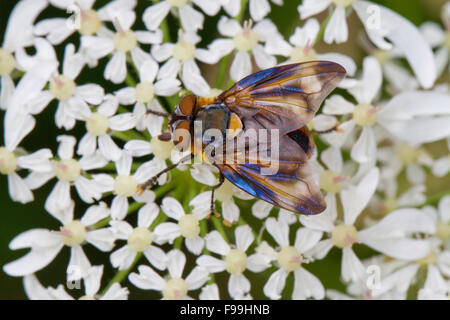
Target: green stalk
{"x": 219, "y": 227}
{"x": 323, "y": 27}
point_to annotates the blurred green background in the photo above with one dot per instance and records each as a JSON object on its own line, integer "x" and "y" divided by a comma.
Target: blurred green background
{"x": 16, "y": 218}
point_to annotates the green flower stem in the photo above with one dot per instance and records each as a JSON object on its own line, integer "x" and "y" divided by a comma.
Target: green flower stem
{"x": 128, "y": 135}
{"x": 112, "y": 166}
{"x": 219, "y": 227}
{"x": 242, "y": 12}
{"x": 129, "y": 80}
{"x": 121, "y": 275}
{"x": 434, "y": 200}
{"x": 222, "y": 71}
{"x": 323, "y": 27}
{"x": 178, "y": 243}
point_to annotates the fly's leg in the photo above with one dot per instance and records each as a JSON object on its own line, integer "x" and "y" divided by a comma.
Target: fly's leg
{"x": 221, "y": 180}
{"x": 150, "y": 182}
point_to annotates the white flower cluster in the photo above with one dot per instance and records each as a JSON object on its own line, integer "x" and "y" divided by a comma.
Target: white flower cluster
{"x": 373, "y": 168}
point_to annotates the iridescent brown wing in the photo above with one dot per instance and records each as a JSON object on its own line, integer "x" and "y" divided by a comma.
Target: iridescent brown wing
{"x": 289, "y": 186}
{"x": 284, "y": 97}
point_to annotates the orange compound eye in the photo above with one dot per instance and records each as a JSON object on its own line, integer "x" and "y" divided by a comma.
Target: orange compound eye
{"x": 181, "y": 135}
{"x": 187, "y": 104}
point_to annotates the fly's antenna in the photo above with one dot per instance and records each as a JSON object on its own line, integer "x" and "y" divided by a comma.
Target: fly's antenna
{"x": 157, "y": 113}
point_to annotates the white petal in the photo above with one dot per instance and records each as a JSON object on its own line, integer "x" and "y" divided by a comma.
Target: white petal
{"x": 155, "y": 14}
{"x": 196, "y": 278}
{"x": 18, "y": 189}
{"x": 307, "y": 285}
{"x": 365, "y": 148}
{"x": 91, "y": 93}
{"x": 108, "y": 148}
{"x": 279, "y": 231}
{"x": 238, "y": 285}
{"x": 78, "y": 264}
{"x": 275, "y": 284}
{"x": 241, "y": 66}
{"x": 230, "y": 211}
{"x": 191, "y": 19}
{"x": 156, "y": 257}
{"x": 193, "y": 80}
{"x": 93, "y": 279}
{"x": 258, "y": 262}
{"x": 122, "y": 258}
{"x": 228, "y": 27}
{"x": 123, "y": 165}
{"x": 336, "y": 104}
{"x": 172, "y": 208}
{"x": 176, "y": 263}
{"x": 210, "y": 7}
{"x": 47, "y": 247}
{"x": 244, "y": 237}
{"x": 203, "y": 174}
{"x": 311, "y": 7}
{"x": 167, "y": 87}
{"x": 195, "y": 245}
{"x": 167, "y": 231}
{"x": 262, "y": 58}
{"x": 351, "y": 268}
{"x": 59, "y": 199}
{"x": 336, "y": 30}
{"x": 116, "y": 69}
{"x": 147, "y": 279}
{"x": 138, "y": 148}
{"x": 169, "y": 69}
{"x": 355, "y": 198}
{"x": 162, "y": 52}
{"x": 216, "y": 243}
{"x": 306, "y": 238}
{"x": 211, "y": 264}
{"x": 261, "y": 209}
{"x": 405, "y": 117}
{"x": 259, "y": 9}
{"x": 367, "y": 89}
{"x": 119, "y": 208}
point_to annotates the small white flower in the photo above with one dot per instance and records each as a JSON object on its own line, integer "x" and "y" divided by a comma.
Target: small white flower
{"x": 234, "y": 260}
{"x": 181, "y": 57}
{"x": 138, "y": 239}
{"x": 224, "y": 194}
{"x": 46, "y": 244}
{"x": 12, "y": 158}
{"x": 121, "y": 43}
{"x": 175, "y": 286}
{"x": 99, "y": 123}
{"x": 244, "y": 39}
{"x": 289, "y": 258}
{"x": 143, "y": 96}
{"x": 125, "y": 185}
{"x": 92, "y": 282}
{"x": 187, "y": 226}
{"x": 70, "y": 171}
{"x": 301, "y": 47}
